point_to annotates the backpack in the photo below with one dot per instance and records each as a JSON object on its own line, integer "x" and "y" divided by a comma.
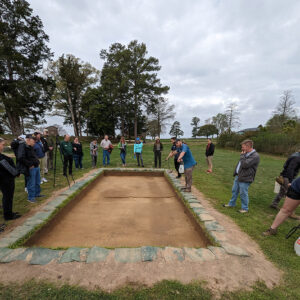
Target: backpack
{"x": 15, "y": 146}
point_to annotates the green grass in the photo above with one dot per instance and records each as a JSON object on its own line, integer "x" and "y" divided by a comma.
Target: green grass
{"x": 217, "y": 187}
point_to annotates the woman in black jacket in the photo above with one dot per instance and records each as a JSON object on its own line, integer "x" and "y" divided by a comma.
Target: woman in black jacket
{"x": 209, "y": 152}
{"x": 77, "y": 153}
{"x": 7, "y": 183}
{"x": 157, "y": 149}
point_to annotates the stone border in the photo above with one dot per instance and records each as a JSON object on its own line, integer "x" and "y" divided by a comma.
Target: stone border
{"x": 43, "y": 256}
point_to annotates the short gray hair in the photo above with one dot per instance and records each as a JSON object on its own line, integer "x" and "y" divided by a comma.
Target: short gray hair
{"x": 247, "y": 142}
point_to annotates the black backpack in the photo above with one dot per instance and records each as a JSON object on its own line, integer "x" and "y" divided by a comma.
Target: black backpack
{"x": 15, "y": 146}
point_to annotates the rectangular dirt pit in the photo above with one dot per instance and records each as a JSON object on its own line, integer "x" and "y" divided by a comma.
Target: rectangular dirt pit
{"x": 123, "y": 209}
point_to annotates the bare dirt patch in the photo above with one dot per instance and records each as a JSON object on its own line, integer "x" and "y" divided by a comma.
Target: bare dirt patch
{"x": 123, "y": 211}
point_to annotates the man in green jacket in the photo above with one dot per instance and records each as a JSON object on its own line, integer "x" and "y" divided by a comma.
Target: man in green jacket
{"x": 66, "y": 149}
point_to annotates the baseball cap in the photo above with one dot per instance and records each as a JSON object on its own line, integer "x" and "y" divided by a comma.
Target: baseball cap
{"x": 137, "y": 139}
{"x": 31, "y": 136}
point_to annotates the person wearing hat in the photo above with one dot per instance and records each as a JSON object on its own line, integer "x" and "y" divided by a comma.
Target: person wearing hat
{"x": 138, "y": 149}
{"x": 8, "y": 172}
{"x": 157, "y": 149}
{"x": 40, "y": 153}
{"x": 29, "y": 166}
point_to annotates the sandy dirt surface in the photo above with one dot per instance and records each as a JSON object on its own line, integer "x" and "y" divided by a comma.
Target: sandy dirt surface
{"x": 227, "y": 274}
{"x": 123, "y": 211}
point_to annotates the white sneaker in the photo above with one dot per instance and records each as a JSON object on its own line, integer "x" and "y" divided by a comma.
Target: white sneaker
{"x": 44, "y": 180}
{"x": 26, "y": 191}
{"x": 41, "y": 181}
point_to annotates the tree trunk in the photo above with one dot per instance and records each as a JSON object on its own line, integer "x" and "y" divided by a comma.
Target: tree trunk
{"x": 72, "y": 113}
{"x": 135, "y": 116}
{"x": 14, "y": 122}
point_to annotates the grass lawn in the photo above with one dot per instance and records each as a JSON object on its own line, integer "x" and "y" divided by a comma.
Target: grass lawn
{"x": 217, "y": 187}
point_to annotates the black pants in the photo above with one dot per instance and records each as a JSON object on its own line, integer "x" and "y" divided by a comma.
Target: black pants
{"x": 7, "y": 187}
{"x": 177, "y": 164}
{"x": 68, "y": 160}
{"x": 157, "y": 156}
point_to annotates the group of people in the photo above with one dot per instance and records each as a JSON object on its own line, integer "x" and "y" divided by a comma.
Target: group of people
{"x": 34, "y": 156}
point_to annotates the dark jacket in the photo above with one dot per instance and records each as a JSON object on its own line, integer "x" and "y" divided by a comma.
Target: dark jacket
{"x": 15, "y": 146}
{"x": 210, "y": 150}
{"x": 39, "y": 149}
{"x": 161, "y": 147}
{"x": 4, "y": 174}
{"x": 45, "y": 144}
{"x": 77, "y": 149}
{"x": 26, "y": 159}
{"x": 66, "y": 148}
{"x": 291, "y": 167}
{"x": 248, "y": 167}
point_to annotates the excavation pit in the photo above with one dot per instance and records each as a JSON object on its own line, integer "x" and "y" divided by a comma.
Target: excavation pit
{"x": 123, "y": 209}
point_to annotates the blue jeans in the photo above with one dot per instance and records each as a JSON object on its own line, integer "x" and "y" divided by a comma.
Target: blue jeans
{"x": 106, "y": 155}
{"x": 78, "y": 161}
{"x": 123, "y": 156}
{"x": 242, "y": 189}
{"x": 33, "y": 183}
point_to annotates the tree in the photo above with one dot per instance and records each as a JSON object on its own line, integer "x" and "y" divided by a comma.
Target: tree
{"x": 24, "y": 92}
{"x": 175, "y": 130}
{"x": 285, "y": 108}
{"x": 208, "y": 130}
{"x": 232, "y": 115}
{"x": 99, "y": 113}
{"x": 152, "y": 128}
{"x": 73, "y": 77}
{"x": 145, "y": 86}
{"x": 161, "y": 114}
{"x": 194, "y": 123}
{"x": 220, "y": 121}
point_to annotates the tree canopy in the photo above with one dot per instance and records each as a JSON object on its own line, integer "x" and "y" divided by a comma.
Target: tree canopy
{"x": 24, "y": 92}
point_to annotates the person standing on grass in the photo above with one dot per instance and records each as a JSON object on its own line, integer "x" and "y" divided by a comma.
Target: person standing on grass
{"x": 106, "y": 146}
{"x": 94, "y": 152}
{"x": 77, "y": 153}
{"x": 138, "y": 149}
{"x": 291, "y": 202}
{"x": 175, "y": 154}
{"x": 289, "y": 173}
{"x": 210, "y": 149}
{"x": 44, "y": 140}
{"x": 40, "y": 153}
{"x": 51, "y": 144}
{"x": 244, "y": 175}
{"x": 185, "y": 156}
{"x": 66, "y": 149}
{"x": 157, "y": 149}
{"x": 29, "y": 166}
{"x": 7, "y": 184}
{"x": 123, "y": 150}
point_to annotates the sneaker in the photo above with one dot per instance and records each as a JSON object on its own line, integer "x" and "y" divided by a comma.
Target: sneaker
{"x": 2, "y": 227}
{"x": 41, "y": 182}
{"x": 31, "y": 200}
{"x": 270, "y": 232}
{"x": 227, "y": 205}
{"x": 242, "y": 211}
{"x": 274, "y": 206}
{"x": 26, "y": 191}
{"x": 294, "y": 216}
{"x": 44, "y": 179}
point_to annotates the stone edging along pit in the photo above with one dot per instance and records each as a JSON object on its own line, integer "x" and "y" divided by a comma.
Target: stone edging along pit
{"x": 41, "y": 256}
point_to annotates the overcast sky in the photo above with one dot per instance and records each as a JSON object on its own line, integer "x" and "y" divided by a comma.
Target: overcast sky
{"x": 212, "y": 52}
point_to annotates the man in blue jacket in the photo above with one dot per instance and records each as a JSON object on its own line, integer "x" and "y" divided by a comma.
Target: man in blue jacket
{"x": 185, "y": 156}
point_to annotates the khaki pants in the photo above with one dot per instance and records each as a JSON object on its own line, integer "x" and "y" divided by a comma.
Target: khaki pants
{"x": 188, "y": 174}
{"x": 43, "y": 165}
{"x": 209, "y": 162}
{"x": 46, "y": 158}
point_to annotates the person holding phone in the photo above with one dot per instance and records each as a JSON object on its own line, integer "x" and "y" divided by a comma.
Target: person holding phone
{"x": 8, "y": 172}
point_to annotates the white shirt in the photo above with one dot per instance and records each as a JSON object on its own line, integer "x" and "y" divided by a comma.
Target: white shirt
{"x": 105, "y": 144}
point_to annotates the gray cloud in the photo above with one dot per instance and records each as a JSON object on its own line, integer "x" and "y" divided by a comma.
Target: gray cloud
{"x": 211, "y": 52}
